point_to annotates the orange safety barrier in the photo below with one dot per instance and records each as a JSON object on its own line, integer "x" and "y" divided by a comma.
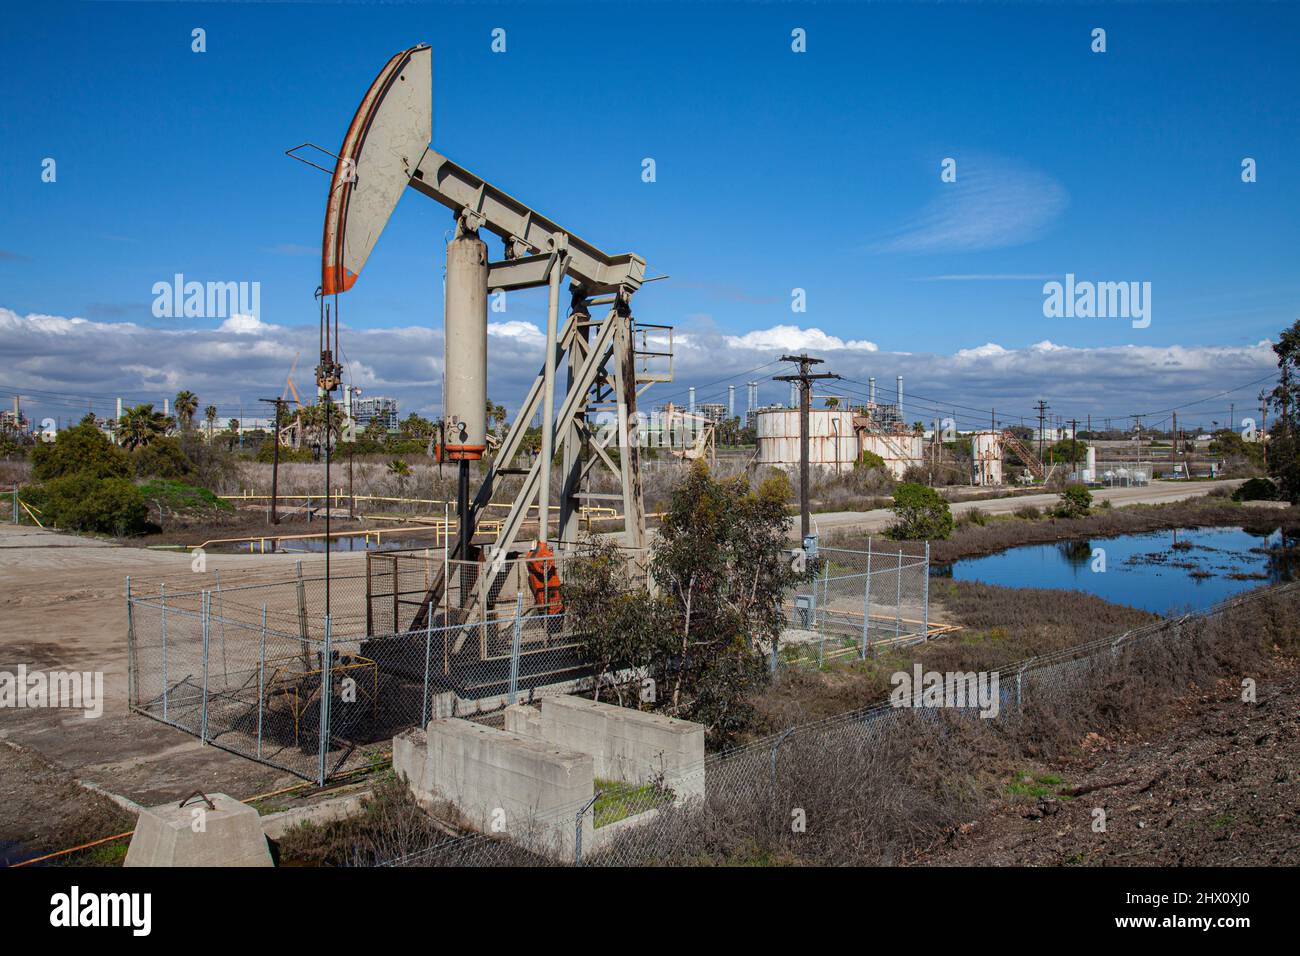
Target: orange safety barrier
{"x": 544, "y": 579}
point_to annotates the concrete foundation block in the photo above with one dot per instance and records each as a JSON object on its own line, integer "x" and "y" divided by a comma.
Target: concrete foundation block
{"x": 629, "y": 746}
{"x": 411, "y": 759}
{"x": 521, "y": 787}
{"x": 195, "y": 835}
{"x": 523, "y": 720}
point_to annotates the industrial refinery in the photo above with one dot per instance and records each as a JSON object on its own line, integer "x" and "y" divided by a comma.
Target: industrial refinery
{"x": 408, "y": 461}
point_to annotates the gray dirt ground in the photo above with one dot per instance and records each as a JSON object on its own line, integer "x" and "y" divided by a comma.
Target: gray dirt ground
{"x": 63, "y": 606}
{"x": 1213, "y": 783}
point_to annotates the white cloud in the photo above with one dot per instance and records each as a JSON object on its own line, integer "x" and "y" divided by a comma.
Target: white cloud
{"x": 791, "y": 338}
{"x": 993, "y": 204}
{"x": 243, "y": 325}
{"x": 68, "y": 360}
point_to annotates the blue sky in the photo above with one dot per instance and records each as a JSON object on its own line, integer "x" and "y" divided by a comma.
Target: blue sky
{"x": 775, "y": 170}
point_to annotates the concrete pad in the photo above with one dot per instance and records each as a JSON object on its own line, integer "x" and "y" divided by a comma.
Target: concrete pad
{"x": 520, "y": 787}
{"x": 627, "y": 745}
{"x": 194, "y": 835}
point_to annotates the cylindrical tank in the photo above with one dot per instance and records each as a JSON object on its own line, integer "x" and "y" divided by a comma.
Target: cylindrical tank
{"x": 831, "y": 440}
{"x": 465, "y": 349}
{"x": 986, "y": 458}
{"x": 900, "y": 450}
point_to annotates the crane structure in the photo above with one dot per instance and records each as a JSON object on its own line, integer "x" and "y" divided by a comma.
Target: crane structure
{"x": 609, "y": 357}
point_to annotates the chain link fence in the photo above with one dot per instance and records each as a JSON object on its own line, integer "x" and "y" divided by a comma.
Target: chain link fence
{"x": 855, "y": 600}
{"x": 648, "y": 825}
{"x": 316, "y": 679}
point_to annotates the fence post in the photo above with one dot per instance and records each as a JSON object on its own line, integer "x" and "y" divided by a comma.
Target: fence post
{"x": 826, "y": 591}
{"x": 898, "y": 599}
{"x": 577, "y": 834}
{"x": 326, "y": 672}
{"x": 866, "y": 606}
{"x": 205, "y": 605}
{"x": 15, "y": 502}
{"x": 428, "y": 650}
{"x": 515, "y": 643}
{"x": 261, "y": 681}
{"x": 925, "y": 593}
{"x": 163, "y": 596}
{"x": 132, "y": 678}
{"x": 221, "y": 619}
{"x": 302, "y": 619}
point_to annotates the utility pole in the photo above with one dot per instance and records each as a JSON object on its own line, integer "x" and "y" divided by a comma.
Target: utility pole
{"x": 1074, "y": 444}
{"x": 1042, "y": 417}
{"x": 1263, "y": 425}
{"x": 805, "y": 378}
{"x": 275, "y": 459}
{"x": 1174, "y": 451}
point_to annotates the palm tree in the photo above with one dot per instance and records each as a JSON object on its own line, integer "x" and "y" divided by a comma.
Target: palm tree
{"x": 187, "y": 403}
{"x": 210, "y": 413}
{"x": 140, "y": 424}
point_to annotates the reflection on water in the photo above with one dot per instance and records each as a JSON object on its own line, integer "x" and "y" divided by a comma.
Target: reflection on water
{"x": 1164, "y": 572}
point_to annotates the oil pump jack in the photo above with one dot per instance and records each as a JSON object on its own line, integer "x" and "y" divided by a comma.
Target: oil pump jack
{"x": 610, "y": 360}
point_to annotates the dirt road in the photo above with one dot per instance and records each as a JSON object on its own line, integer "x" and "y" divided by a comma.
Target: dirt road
{"x": 63, "y": 607}
{"x": 1158, "y": 492}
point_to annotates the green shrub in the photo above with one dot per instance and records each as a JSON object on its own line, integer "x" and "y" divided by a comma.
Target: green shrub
{"x": 869, "y": 460}
{"x": 1075, "y": 501}
{"x": 920, "y": 512}
{"x": 180, "y": 497}
{"x": 83, "y": 502}
{"x": 82, "y": 449}
{"x": 162, "y": 458}
{"x": 1256, "y": 489}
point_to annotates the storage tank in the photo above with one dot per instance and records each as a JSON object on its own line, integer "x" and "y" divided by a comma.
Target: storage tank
{"x": 465, "y": 349}
{"x": 986, "y": 458}
{"x": 831, "y": 441}
{"x": 1090, "y": 468}
{"x": 900, "y": 450}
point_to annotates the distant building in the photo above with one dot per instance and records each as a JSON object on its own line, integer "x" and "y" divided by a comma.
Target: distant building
{"x": 751, "y": 416}
{"x": 366, "y": 410}
{"x": 14, "y": 421}
{"x": 714, "y": 411}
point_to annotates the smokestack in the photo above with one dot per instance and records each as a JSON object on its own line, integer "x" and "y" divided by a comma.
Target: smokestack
{"x": 900, "y": 395}
{"x": 794, "y": 395}
{"x": 751, "y": 396}
{"x": 731, "y": 401}
{"x": 119, "y": 408}
{"x": 871, "y": 386}
{"x": 691, "y": 399}
{"x": 166, "y": 406}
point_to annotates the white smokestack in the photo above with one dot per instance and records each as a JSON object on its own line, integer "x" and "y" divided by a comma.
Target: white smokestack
{"x": 900, "y": 395}
{"x": 731, "y": 401}
{"x": 691, "y": 398}
{"x": 871, "y": 384}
